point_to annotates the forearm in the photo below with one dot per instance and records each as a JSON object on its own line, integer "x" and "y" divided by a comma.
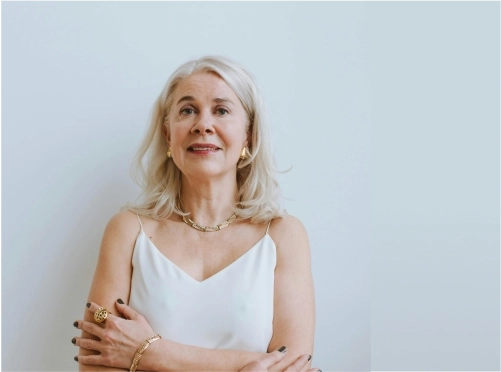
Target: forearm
{"x": 166, "y": 355}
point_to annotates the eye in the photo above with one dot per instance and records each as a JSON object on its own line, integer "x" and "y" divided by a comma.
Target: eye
{"x": 222, "y": 111}
{"x": 187, "y": 111}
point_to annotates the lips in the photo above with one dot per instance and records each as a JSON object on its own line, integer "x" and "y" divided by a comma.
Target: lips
{"x": 196, "y": 147}
{"x": 202, "y": 148}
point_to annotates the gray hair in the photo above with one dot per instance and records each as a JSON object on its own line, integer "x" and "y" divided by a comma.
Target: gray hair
{"x": 258, "y": 196}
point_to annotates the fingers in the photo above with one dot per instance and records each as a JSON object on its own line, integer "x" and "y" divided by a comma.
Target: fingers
{"x": 86, "y": 343}
{"x": 93, "y": 307}
{"x": 299, "y": 364}
{"x": 127, "y": 311}
{"x": 89, "y": 327}
{"x": 274, "y": 357}
{"x": 95, "y": 360}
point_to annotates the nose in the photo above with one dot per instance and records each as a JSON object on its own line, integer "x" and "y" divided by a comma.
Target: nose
{"x": 203, "y": 124}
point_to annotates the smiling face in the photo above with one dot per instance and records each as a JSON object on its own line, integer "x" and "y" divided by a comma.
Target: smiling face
{"x": 207, "y": 126}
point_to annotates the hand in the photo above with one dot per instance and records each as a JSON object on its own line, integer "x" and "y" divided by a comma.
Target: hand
{"x": 119, "y": 338}
{"x": 264, "y": 363}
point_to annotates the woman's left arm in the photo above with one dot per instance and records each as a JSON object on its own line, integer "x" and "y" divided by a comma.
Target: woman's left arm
{"x": 294, "y": 304}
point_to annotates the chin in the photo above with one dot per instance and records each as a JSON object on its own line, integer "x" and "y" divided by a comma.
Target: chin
{"x": 204, "y": 170}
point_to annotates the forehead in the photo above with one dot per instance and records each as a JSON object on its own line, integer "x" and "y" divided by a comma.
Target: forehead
{"x": 204, "y": 86}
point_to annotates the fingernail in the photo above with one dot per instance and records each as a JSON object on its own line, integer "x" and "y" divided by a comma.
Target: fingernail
{"x": 88, "y": 304}
{"x": 75, "y": 359}
{"x": 309, "y": 357}
{"x": 75, "y": 324}
{"x": 283, "y": 349}
{"x": 120, "y": 301}
{"x": 74, "y": 340}
{"x": 319, "y": 370}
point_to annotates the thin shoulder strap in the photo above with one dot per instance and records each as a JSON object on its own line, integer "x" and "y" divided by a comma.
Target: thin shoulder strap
{"x": 269, "y": 223}
{"x": 139, "y": 222}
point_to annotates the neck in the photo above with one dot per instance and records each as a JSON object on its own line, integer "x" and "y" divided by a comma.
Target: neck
{"x": 209, "y": 203}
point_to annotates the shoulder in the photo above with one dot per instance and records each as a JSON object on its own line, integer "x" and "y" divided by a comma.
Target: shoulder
{"x": 124, "y": 219}
{"x": 286, "y": 227}
{"x": 291, "y": 239}
{"x": 122, "y": 230}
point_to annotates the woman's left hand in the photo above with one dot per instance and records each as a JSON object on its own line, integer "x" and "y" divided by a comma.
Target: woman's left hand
{"x": 268, "y": 362}
{"x": 119, "y": 338}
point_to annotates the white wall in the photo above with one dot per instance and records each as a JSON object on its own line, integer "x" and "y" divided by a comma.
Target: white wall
{"x": 79, "y": 80}
{"x": 435, "y": 170}
{"x": 342, "y": 86}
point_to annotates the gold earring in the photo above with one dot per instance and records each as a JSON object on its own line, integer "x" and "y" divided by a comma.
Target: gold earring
{"x": 169, "y": 155}
{"x": 245, "y": 154}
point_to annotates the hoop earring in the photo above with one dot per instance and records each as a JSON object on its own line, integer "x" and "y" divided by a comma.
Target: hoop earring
{"x": 245, "y": 154}
{"x": 169, "y": 155}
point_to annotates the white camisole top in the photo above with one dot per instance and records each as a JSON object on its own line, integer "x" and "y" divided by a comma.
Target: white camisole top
{"x": 233, "y": 309}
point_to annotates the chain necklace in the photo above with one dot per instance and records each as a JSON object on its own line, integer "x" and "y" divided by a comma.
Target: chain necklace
{"x": 218, "y": 227}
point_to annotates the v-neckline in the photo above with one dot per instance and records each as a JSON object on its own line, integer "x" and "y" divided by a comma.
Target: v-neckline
{"x": 258, "y": 243}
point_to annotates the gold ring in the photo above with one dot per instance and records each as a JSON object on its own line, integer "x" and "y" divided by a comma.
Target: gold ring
{"x": 101, "y": 314}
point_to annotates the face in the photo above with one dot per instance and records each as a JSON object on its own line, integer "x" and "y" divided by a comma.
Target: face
{"x": 207, "y": 126}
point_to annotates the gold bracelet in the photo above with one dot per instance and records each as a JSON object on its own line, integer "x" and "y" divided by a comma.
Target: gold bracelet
{"x": 140, "y": 351}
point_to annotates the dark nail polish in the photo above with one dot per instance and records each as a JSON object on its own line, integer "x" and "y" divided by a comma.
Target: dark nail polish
{"x": 75, "y": 359}
{"x": 75, "y": 324}
{"x": 74, "y": 341}
{"x": 309, "y": 357}
{"x": 283, "y": 349}
{"x": 88, "y": 304}
{"x": 319, "y": 370}
{"x": 120, "y": 301}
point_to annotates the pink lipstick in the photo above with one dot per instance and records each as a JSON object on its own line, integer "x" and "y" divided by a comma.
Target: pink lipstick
{"x": 203, "y": 148}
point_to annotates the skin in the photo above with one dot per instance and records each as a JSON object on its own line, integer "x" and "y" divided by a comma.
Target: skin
{"x": 262, "y": 363}
{"x": 213, "y": 114}
{"x": 207, "y": 120}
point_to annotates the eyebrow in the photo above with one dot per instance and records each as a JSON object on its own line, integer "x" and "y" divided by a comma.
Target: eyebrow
{"x": 191, "y": 99}
{"x": 185, "y": 98}
{"x": 219, "y": 100}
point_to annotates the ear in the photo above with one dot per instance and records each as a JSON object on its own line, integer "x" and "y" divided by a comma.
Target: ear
{"x": 166, "y": 133}
{"x": 248, "y": 140}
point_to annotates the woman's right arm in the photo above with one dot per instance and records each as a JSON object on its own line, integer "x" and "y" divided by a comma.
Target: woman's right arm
{"x": 113, "y": 273}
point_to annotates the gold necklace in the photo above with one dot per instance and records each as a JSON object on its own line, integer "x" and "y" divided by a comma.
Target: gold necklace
{"x": 218, "y": 227}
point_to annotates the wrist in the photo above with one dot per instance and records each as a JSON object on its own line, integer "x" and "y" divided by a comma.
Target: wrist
{"x": 157, "y": 357}
{"x": 141, "y": 350}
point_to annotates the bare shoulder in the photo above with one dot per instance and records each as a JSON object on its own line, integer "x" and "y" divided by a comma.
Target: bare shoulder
{"x": 287, "y": 227}
{"x": 290, "y": 236}
{"x": 123, "y": 227}
{"x": 124, "y": 220}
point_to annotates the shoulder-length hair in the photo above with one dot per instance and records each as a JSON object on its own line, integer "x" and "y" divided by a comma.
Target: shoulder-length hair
{"x": 258, "y": 197}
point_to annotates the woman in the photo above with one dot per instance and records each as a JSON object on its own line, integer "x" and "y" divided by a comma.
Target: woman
{"x": 209, "y": 259}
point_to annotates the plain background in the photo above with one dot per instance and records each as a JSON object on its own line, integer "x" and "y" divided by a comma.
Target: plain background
{"x": 388, "y": 114}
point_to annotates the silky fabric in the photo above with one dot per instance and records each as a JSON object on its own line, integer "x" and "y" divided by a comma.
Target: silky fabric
{"x": 233, "y": 309}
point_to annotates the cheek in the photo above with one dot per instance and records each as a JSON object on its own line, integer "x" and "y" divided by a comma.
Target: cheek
{"x": 236, "y": 140}
{"x": 176, "y": 135}
{"x": 241, "y": 134}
